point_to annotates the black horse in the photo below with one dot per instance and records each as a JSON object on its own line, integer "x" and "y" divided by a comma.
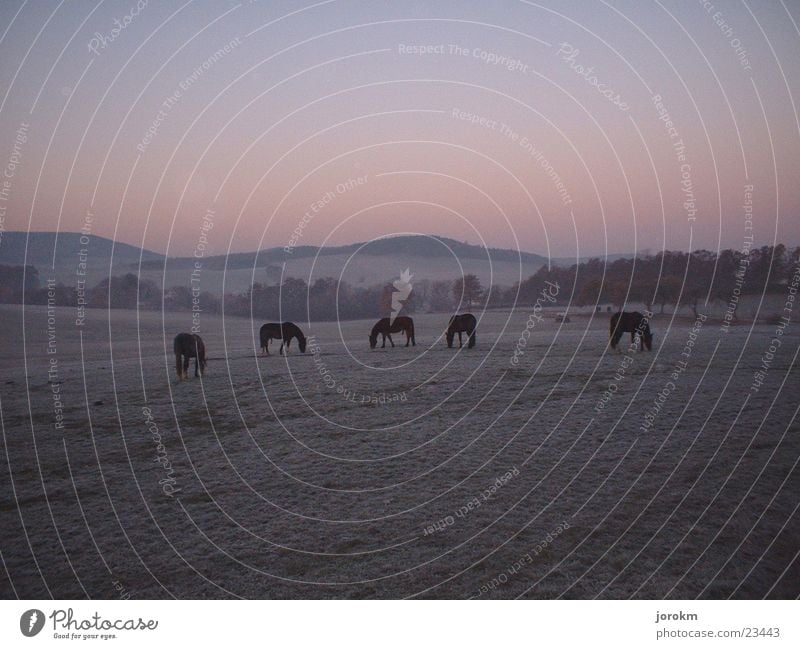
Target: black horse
{"x": 636, "y": 324}
{"x": 283, "y": 331}
{"x": 465, "y": 322}
{"x": 386, "y": 327}
{"x": 188, "y": 346}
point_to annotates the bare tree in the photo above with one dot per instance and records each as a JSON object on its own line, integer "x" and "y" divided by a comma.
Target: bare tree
{"x": 467, "y": 290}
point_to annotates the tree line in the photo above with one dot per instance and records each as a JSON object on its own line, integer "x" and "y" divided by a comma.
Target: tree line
{"x": 676, "y": 278}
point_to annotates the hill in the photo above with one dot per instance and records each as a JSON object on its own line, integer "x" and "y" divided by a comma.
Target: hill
{"x": 361, "y": 264}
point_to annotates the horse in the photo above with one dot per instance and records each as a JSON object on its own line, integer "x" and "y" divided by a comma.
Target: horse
{"x": 283, "y": 331}
{"x": 386, "y": 327}
{"x": 634, "y": 322}
{"x": 188, "y": 346}
{"x": 465, "y": 322}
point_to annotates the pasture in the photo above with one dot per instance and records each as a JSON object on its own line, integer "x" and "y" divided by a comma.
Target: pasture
{"x": 538, "y": 464}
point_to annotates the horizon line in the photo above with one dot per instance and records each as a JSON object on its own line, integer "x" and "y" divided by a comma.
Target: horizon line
{"x": 649, "y": 251}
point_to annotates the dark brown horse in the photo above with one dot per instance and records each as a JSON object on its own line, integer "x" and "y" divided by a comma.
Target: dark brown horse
{"x": 464, "y": 323}
{"x": 188, "y": 346}
{"x": 636, "y": 324}
{"x": 283, "y": 331}
{"x": 386, "y": 327}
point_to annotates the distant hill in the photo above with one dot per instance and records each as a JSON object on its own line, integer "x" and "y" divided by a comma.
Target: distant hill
{"x": 611, "y": 257}
{"x": 359, "y": 264}
{"x": 428, "y": 257}
{"x": 429, "y": 247}
{"x": 41, "y": 245}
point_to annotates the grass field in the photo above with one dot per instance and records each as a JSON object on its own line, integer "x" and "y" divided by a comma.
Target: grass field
{"x": 406, "y": 472}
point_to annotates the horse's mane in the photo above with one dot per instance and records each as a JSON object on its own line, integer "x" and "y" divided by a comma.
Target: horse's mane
{"x": 377, "y": 328}
{"x": 294, "y": 330}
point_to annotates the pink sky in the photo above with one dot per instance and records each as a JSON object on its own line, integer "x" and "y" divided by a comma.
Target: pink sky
{"x": 513, "y": 125}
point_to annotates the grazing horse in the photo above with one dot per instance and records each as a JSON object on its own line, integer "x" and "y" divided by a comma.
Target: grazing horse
{"x": 283, "y": 331}
{"x": 465, "y": 322}
{"x": 188, "y": 346}
{"x": 387, "y": 327}
{"x": 634, "y": 322}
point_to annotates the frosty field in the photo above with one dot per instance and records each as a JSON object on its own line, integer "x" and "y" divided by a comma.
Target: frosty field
{"x": 406, "y": 472}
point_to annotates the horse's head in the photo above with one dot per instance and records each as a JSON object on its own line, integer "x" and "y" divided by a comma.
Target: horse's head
{"x": 373, "y": 341}
{"x": 450, "y": 335}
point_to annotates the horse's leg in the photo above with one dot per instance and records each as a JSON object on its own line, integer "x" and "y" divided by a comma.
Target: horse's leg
{"x": 390, "y": 339}
{"x": 459, "y": 340}
{"x": 185, "y": 374}
{"x": 178, "y": 366}
{"x": 383, "y": 336}
{"x": 408, "y": 337}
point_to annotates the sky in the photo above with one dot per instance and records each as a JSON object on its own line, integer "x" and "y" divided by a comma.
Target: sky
{"x": 562, "y": 128}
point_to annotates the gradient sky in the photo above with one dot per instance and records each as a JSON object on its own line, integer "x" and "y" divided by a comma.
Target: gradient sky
{"x": 312, "y": 96}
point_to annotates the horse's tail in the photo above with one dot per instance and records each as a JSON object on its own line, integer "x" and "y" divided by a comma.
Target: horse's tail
{"x": 612, "y": 326}
{"x": 177, "y": 349}
{"x": 411, "y": 330}
{"x": 472, "y": 339}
